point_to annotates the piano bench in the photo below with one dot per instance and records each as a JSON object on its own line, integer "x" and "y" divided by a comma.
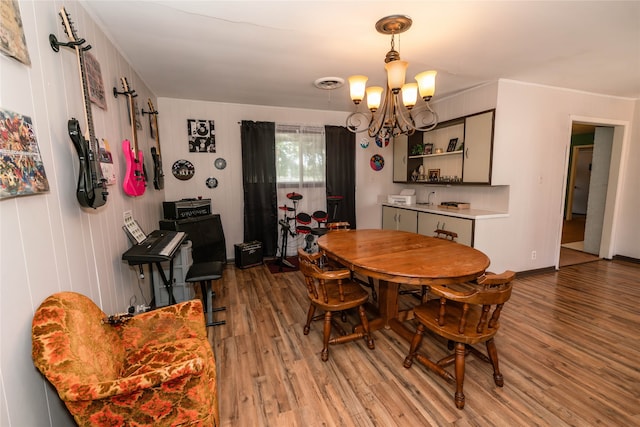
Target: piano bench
{"x": 205, "y": 273}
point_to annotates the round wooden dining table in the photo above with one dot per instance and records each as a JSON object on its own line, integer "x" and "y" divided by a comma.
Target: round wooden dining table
{"x": 399, "y": 257}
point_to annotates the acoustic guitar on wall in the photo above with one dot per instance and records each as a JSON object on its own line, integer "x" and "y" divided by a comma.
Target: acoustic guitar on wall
{"x": 134, "y": 183}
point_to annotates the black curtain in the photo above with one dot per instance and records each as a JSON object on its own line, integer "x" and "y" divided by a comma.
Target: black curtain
{"x": 259, "y": 184}
{"x": 341, "y": 171}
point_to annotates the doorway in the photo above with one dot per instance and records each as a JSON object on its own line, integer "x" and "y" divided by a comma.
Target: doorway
{"x": 583, "y": 217}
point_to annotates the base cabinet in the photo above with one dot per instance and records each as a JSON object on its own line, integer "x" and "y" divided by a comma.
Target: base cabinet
{"x": 429, "y": 222}
{"x": 399, "y": 219}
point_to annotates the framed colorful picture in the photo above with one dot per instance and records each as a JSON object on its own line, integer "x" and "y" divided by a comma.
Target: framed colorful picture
{"x": 21, "y": 168}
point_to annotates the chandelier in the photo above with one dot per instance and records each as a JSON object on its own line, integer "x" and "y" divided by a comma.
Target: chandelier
{"x": 396, "y": 112}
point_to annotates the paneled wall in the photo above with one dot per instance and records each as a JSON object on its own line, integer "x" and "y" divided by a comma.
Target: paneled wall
{"x": 49, "y": 243}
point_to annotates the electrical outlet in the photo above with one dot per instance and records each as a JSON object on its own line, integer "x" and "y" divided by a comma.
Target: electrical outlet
{"x": 533, "y": 254}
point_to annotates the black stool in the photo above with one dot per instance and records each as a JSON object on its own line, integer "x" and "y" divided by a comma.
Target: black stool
{"x": 205, "y": 273}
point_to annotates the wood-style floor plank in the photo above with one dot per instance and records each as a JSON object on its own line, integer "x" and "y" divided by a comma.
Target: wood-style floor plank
{"x": 569, "y": 350}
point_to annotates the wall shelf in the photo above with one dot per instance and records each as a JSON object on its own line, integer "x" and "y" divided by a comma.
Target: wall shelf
{"x": 420, "y": 156}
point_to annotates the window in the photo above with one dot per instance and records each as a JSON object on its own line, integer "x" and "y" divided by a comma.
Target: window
{"x": 300, "y": 156}
{"x": 300, "y": 168}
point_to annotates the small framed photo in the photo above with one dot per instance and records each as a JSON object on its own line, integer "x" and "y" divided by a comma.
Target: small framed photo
{"x": 428, "y": 148}
{"x": 434, "y": 174}
{"x": 453, "y": 143}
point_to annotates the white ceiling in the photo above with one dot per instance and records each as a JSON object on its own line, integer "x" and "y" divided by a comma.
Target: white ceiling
{"x": 270, "y": 53}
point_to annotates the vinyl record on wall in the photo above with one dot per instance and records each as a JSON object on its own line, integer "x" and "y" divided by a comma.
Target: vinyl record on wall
{"x": 183, "y": 169}
{"x": 220, "y": 163}
{"x": 211, "y": 182}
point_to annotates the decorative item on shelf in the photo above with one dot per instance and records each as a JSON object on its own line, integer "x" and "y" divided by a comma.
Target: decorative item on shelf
{"x": 377, "y": 162}
{"x": 395, "y": 114}
{"x": 434, "y": 175}
{"x": 460, "y": 146}
{"x": 428, "y": 148}
{"x": 453, "y": 143}
{"x": 438, "y": 151}
{"x": 183, "y": 169}
{"x": 417, "y": 149}
{"x": 220, "y": 163}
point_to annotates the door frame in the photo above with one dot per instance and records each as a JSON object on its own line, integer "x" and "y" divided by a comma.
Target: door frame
{"x": 619, "y": 151}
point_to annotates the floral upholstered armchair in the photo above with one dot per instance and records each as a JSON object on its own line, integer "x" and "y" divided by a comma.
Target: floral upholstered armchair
{"x": 154, "y": 369}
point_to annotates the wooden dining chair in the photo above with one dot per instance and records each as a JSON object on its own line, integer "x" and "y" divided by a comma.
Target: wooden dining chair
{"x": 465, "y": 314}
{"x": 341, "y": 225}
{"x": 367, "y": 282}
{"x": 333, "y": 291}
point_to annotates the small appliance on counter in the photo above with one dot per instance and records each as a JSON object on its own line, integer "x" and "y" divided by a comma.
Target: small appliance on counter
{"x": 406, "y": 197}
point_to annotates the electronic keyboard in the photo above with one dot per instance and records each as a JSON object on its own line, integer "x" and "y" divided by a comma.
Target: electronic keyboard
{"x": 158, "y": 246}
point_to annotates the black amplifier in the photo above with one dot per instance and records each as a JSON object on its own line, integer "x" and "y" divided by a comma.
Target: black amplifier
{"x": 186, "y": 208}
{"x": 248, "y": 254}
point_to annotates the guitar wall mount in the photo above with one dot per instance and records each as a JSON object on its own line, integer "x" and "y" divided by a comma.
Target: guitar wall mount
{"x": 55, "y": 44}
{"x": 154, "y": 112}
{"x": 129, "y": 92}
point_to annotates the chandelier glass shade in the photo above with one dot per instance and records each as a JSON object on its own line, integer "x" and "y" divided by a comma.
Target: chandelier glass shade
{"x": 396, "y": 109}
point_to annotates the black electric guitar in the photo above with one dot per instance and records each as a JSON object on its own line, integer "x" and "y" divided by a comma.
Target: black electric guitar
{"x": 158, "y": 175}
{"x": 91, "y": 191}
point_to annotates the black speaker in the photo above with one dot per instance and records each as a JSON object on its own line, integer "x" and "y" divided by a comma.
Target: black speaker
{"x": 206, "y": 235}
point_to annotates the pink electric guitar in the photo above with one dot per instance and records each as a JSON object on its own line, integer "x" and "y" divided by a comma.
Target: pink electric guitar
{"x": 134, "y": 182}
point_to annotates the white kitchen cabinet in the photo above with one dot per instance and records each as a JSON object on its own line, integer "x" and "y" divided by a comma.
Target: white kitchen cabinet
{"x": 400, "y": 154}
{"x": 399, "y": 219}
{"x": 429, "y": 222}
{"x": 478, "y": 141}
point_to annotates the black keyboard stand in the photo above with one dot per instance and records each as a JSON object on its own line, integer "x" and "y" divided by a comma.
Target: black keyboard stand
{"x": 136, "y": 256}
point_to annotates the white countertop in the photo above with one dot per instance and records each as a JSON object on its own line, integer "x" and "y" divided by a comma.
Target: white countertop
{"x": 460, "y": 213}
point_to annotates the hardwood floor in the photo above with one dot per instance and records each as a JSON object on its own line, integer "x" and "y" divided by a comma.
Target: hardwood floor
{"x": 569, "y": 351}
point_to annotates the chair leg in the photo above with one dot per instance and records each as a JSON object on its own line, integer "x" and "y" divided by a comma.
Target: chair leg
{"x": 415, "y": 343}
{"x": 310, "y": 313}
{"x": 205, "y": 295}
{"x": 365, "y": 327}
{"x": 459, "y": 369}
{"x": 374, "y": 295}
{"x": 205, "y": 298}
{"x": 492, "y": 351}
{"x": 326, "y": 335}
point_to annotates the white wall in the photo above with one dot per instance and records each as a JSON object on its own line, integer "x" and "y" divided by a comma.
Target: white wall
{"x": 48, "y": 243}
{"x": 228, "y": 199}
{"x": 531, "y": 143}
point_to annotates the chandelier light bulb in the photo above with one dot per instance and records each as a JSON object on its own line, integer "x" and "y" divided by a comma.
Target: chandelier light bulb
{"x": 409, "y": 95}
{"x": 357, "y": 86}
{"x": 374, "y": 97}
{"x": 427, "y": 84}
{"x": 396, "y": 71}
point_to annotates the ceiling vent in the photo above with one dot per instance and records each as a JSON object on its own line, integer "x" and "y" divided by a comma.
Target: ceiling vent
{"x": 329, "y": 83}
